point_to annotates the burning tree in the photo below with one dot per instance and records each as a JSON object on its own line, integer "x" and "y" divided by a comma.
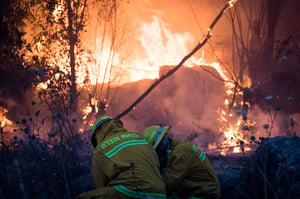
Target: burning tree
{"x": 51, "y": 62}
{"x": 55, "y": 29}
{"x": 62, "y": 66}
{"x": 105, "y": 21}
{"x": 58, "y": 30}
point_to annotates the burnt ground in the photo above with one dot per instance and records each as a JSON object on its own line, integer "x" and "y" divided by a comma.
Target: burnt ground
{"x": 270, "y": 172}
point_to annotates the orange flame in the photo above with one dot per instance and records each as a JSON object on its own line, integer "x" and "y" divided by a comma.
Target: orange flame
{"x": 3, "y": 120}
{"x": 235, "y": 140}
{"x": 231, "y": 3}
{"x": 160, "y": 46}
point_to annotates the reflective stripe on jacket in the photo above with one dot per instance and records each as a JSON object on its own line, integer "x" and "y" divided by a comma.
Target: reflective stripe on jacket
{"x": 190, "y": 172}
{"x": 128, "y": 163}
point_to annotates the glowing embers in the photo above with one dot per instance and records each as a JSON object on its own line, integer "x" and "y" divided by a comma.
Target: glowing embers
{"x": 234, "y": 123}
{"x": 3, "y": 120}
{"x": 232, "y": 2}
{"x": 235, "y": 131}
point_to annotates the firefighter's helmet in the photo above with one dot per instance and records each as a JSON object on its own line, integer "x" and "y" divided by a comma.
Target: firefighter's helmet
{"x": 97, "y": 124}
{"x": 155, "y": 134}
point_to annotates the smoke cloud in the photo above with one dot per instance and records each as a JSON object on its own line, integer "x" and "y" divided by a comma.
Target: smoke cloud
{"x": 187, "y": 101}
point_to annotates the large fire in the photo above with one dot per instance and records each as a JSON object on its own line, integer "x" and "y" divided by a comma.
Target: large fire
{"x": 161, "y": 46}
{"x": 158, "y": 46}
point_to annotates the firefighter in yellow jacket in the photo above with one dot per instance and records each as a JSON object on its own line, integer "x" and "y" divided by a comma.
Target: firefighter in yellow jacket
{"x": 124, "y": 164}
{"x": 185, "y": 169}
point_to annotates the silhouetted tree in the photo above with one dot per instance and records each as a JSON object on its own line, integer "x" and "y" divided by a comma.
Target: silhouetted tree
{"x": 254, "y": 25}
{"x": 14, "y": 76}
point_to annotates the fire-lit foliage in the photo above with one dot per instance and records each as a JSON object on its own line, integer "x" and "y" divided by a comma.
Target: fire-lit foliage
{"x": 44, "y": 148}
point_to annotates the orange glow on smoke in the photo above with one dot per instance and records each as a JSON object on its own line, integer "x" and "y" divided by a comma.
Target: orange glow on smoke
{"x": 155, "y": 45}
{"x": 160, "y": 46}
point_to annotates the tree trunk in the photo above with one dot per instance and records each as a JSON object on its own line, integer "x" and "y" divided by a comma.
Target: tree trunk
{"x": 72, "y": 43}
{"x": 260, "y": 60}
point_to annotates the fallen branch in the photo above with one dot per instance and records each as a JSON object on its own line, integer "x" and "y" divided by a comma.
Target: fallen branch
{"x": 170, "y": 72}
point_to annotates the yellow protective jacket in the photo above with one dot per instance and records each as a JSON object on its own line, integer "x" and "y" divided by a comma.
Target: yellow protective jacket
{"x": 190, "y": 173}
{"x": 127, "y": 162}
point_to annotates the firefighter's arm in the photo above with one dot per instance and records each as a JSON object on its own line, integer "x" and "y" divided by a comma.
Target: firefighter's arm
{"x": 99, "y": 177}
{"x": 177, "y": 170}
